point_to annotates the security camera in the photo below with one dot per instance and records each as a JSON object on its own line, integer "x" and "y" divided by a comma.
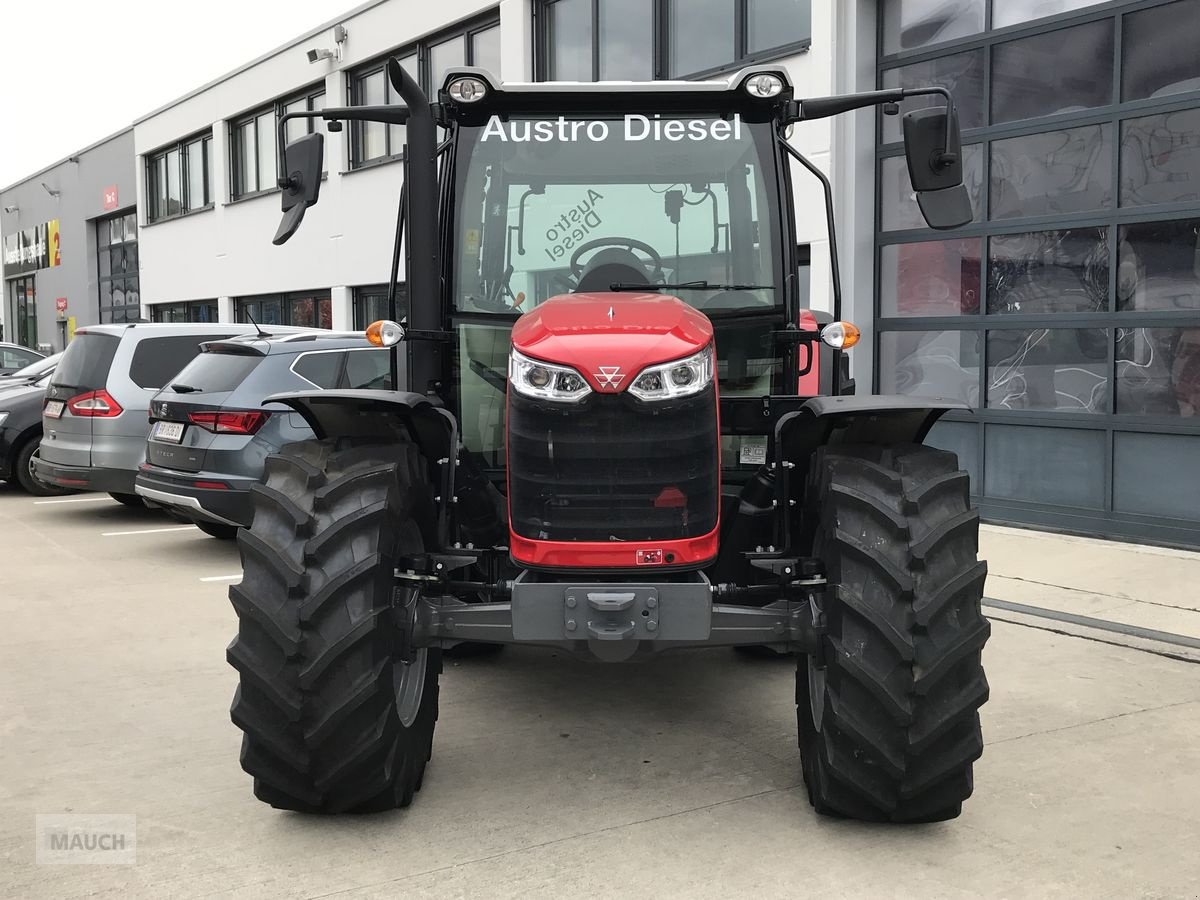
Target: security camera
{"x": 318, "y": 55}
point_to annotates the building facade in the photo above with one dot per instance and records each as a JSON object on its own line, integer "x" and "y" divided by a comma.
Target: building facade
{"x": 1067, "y": 315}
{"x": 70, "y": 244}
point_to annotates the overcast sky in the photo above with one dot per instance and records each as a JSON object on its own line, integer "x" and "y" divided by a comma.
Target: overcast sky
{"x": 78, "y": 70}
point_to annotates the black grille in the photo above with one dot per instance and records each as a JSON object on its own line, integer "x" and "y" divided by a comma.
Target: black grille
{"x": 613, "y": 468}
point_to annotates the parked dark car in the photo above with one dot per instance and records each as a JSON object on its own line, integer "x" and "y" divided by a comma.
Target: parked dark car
{"x": 28, "y": 374}
{"x": 210, "y": 434}
{"x": 21, "y": 435}
{"x": 14, "y": 357}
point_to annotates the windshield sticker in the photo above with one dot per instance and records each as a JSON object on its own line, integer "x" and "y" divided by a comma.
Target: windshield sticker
{"x": 573, "y": 226}
{"x": 632, "y": 128}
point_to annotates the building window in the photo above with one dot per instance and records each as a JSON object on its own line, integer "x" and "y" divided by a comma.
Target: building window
{"x": 117, "y": 268}
{"x": 254, "y": 137}
{"x": 474, "y": 44}
{"x": 1065, "y": 314}
{"x": 307, "y": 309}
{"x": 632, "y": 40}
{"x": 371, "y": 304}
{"x": 24, "y": 311}
{"x": 190, "y": 311}
{"x": 178, "y": 178}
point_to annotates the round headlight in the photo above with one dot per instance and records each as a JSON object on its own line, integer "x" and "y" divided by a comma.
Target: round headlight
{"x": 467, "y": 90}
{"x": 538, "y": 377}
{"x": 764, "y": 85}
{"x": 681, "y": 376}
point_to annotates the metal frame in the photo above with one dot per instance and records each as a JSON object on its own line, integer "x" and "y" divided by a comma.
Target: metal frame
{"x": 187, "y": 306}
{"x": 659, "y": 43}
{"x": 126, "y": 277}
{"x": 152, "y": 160}
{"x": 1113, "y": 217}
{"x": 284, "y": 298}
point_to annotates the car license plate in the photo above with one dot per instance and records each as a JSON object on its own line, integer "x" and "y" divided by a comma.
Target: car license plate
{"x": 168, "y": 431}
{"x": 54, "y": 409}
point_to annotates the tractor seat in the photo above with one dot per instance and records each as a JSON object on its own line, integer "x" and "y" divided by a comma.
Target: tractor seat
{"x": 613, "y": 265}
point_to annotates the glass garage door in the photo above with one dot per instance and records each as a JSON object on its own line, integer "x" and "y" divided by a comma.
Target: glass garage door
{"x": 1068, "y": 313}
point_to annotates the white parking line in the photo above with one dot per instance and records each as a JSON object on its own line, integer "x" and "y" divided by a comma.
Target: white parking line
{"x": 74, "y": 500}
{"x": 148, "y": 531}
{"x": 237, "y": 577}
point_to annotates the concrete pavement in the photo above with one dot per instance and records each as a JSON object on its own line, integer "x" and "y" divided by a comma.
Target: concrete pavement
{"x": 552, "y": 777}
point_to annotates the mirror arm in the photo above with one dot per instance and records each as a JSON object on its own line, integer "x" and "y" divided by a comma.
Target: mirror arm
{"x": 944, "y": 159}
{"x": 830, "y": 225}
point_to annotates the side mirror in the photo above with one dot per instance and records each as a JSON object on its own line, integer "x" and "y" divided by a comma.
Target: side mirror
{"x": 933, "y": 149}
{"x": 302, "y": 160}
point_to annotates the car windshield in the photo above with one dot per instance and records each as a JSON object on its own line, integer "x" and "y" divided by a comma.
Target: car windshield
{"x": 549, "y": 206}
{"x": 38, "y": 367}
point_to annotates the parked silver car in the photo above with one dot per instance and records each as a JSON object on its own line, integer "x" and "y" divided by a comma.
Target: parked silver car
{"x": 96, "y": 415}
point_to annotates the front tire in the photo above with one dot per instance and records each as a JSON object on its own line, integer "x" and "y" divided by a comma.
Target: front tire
{"x": 217, "y": 530}
{"x": 889, "y": 717}
{"x": 333, "y": 720}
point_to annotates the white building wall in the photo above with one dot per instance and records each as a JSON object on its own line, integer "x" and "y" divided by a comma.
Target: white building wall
{"x": 346, "y": 240}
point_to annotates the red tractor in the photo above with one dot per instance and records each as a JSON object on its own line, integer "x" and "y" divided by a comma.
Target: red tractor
{"x": 622, "y": 435}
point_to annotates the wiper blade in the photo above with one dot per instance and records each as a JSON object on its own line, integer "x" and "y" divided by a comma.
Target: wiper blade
{"x": 185, "y": 388}
{"x": 690, "y": 286}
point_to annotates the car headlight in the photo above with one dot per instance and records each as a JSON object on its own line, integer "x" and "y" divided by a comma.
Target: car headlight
{"x": 680, "y": 378}
{"x": 544, "y": 380}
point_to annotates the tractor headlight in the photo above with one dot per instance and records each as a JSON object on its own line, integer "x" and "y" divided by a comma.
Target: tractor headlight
{"x": 467, "y": 90}
{"x": 681, "y": 378}
{"x": 545, "y": 381}
{"x": 764, "y": 85}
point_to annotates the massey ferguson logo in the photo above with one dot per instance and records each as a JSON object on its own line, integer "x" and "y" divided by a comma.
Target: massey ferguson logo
{"x": 609, "y": 377}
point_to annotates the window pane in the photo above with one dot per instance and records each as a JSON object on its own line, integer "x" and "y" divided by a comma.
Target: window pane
{"x": 1069, "y": 467}
{"x": 296, "y": 127}
{"x": 195, "y": 175}
{"x": 101, "y": 235}
{"x": 368, "y": 369}
{"x": 130, "y": 228}
{"x": 909, "y": 24}
{"x": 247, "y": 153}
{"x": 1061, "y": 71}
{"x": 1160, "y": 159}
{"x": 1048, "y": 368}
{"x": 1049, "y": 272}
{"x": 1013, "y": 12}
{"x": 1158, "y": 266}
{"x": 446, "y": 55}
{"x": 320, "y": 368}
{"x": 1054, "y": 172}
{"x": 1158, "y": 371}
{"x": 160, "y": 198}
{"x": 303, "y": 312}
{"x": 266, "y": 151}
{"x": 626, "y": 40}
{"x": 700, "y": 35}
{"x": 372, "y": 90}
{"x": 117, "y": 256}
{"x": 1139, "y": 461}
{"x": 105, "y": 261}
{"x": 316, "y": 103}
{"x": 933, "y": 278}
{"x": 485, "y": 49}
{"x": 960, "y": 73}
{"x": 773, "y": 23}
{"x": 569, "y": 38}
{"x": 1158, "y": 49}
{"x": 899, "y": 203}
{"x": 930, "y": 364}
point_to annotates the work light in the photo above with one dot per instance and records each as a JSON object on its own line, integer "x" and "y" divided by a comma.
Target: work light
{"x": 467, "y": 90}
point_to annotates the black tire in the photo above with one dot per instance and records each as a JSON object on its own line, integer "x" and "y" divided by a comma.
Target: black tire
{"x": 889, "y": 726}
{"x": 133, "y": 501}
{"x": 27, "y": 478}
{"x": 333, "y": 720}
{"x": 218, "y": 530}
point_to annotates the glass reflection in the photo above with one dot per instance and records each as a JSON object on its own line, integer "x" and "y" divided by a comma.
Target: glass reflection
{"x": 1158, "y": 371}
{"x": 960, "y": 73}
{"x": 1160, "y": 158}
{"x": 930, "y": 364}
{"x": 1048, "y": 368}
{"x": 930, "y": 278}
{"x": 1158, "y": 49}
{"x": 909, "y": 24}
{"x": 1049, "y": 272}
{"x": 1053, "y": 172}
{"x": 1159, "y": 265}
{"x": 1057, "y": 72}
{"x": 898, "y": 202}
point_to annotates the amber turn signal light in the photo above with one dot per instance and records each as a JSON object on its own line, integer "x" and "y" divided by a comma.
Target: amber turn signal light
{"x": 385, "y": 333}
{"x": 840, "y": 335}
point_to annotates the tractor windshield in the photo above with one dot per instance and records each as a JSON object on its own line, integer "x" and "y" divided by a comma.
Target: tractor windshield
{"x": 549, "y": 206}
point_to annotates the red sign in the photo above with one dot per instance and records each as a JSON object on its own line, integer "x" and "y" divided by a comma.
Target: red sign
{"x": 110, "y": 197}
{"x": 60, "y": 304}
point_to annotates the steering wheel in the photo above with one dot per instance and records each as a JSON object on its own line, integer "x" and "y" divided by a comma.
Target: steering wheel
{"x": 631, "y": 243}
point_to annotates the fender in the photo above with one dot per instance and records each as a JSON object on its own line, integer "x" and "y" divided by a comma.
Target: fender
{"x": 387, "y": 416}
{"x": 822, "y": 421}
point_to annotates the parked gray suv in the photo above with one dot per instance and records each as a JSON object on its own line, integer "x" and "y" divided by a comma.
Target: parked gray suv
{"x": 94, "y": 421}
{"x": 210, "y": 434}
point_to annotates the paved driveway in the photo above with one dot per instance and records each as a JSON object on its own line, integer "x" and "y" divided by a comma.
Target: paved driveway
{"x": 551, "y": 777}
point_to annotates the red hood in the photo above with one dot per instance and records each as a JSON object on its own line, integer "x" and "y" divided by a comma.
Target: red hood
{"x": 614, "y": 335}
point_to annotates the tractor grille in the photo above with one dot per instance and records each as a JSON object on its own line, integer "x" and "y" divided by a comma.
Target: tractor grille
{"x": 613, "y": 468}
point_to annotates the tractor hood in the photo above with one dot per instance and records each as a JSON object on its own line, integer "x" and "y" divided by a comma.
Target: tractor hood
{"x": 610, "y": 337}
